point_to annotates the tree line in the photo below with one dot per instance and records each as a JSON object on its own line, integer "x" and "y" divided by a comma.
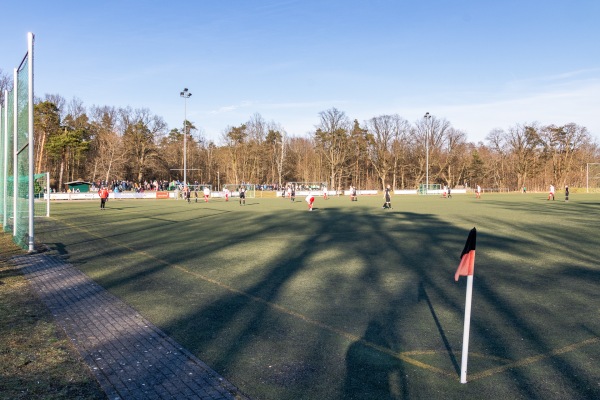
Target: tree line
{"x": 105, "y": 143}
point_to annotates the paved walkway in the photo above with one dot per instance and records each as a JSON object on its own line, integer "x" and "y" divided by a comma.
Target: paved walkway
{"x": 130, "y": 357}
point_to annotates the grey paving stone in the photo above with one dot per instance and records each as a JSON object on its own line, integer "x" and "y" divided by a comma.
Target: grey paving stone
{"x": 130, "y": 357}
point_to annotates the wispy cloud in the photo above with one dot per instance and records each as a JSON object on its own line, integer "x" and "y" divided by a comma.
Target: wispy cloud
{"x": 266, "y": 106}
{"x": 569, "y": 102}
{"x": 231, "y": 108}
{"x": 551, "y": 82}
{"x": 324, "y": 104}
{"x": 570, "y": 75}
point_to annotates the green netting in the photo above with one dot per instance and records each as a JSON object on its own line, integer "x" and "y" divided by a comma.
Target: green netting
{"x": 432, "y": 188}
{"x": 8, "y": 151}
{"x": 21, "y": 213}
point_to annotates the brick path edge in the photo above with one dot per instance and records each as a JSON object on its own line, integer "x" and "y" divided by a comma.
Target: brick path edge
{"x": 130, "y": 357}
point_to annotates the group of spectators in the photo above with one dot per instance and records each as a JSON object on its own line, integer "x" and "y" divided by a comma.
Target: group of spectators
{"x": 156, "y": 185}
{"x": 264, "y": 187}
{"x": 126, "y": 186}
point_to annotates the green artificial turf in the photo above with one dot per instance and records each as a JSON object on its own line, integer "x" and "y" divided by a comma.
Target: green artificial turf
{"x": 351, "y": 301}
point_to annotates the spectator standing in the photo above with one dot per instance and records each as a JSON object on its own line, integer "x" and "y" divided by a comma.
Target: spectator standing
{"x": 103, "y": 193}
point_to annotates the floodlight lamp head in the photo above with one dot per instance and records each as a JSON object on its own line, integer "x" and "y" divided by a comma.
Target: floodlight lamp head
{"x": 427, "y": 115}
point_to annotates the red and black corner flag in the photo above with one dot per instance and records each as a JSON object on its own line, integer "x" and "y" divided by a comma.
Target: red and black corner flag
{"x": 467, "y": 257}
{"x": 466, "y": 268}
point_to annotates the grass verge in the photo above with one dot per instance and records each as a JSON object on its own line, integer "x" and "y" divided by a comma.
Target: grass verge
{"x": 37, "y": 360}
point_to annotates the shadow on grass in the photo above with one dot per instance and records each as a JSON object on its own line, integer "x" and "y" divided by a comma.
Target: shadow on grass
{"x": 368, "y": 372}
{"x": 423, "y": 295}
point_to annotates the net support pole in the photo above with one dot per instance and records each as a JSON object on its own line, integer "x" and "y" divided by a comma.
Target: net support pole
{"x": 467, "y": 328}
{"x": 15, "y": 151}
{"x": 30, "y": 140}
{"x": 5, "y": 161}
{"x": 47, "y": 194}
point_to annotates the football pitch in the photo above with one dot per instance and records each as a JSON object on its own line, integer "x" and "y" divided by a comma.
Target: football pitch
{"x": 351, "y": 301}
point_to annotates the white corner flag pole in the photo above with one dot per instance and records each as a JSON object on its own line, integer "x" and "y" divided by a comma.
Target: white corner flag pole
{"x": 465, "y": 348}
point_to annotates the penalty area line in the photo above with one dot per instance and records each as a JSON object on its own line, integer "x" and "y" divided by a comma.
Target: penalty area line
{"x": 533, "y": 359}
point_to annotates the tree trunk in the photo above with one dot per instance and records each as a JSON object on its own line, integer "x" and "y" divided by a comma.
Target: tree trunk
{"x": 40, "y": 156}
{"x": 60, "y": 174}
{"x": 108, "y": 170}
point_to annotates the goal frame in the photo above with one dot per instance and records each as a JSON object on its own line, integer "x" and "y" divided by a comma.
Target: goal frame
{"x": 587, "y": 175}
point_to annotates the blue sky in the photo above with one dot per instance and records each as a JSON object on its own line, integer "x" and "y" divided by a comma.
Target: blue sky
{"x": 479, "y": 64}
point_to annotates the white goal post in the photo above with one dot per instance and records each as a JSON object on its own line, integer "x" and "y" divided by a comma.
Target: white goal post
{"x": 41, "y": 189}
{"x": 592, "y": 177}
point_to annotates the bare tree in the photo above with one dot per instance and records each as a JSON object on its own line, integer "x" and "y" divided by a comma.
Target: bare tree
{"x": 453, "y": 157}
{"x": 142, "y": 132}
{"x": 235, "y": 141}
{"x": 524, "y": 144}
{"x": 561, "y": 144}
{"x": 304, "y": 160}
{"x": 331, "y": 137}
{"x": 257, "y": 130}
{"x": 6, "y": 83}
{"x": 428, "y": 138}
{"x": 276, "y": 150}
{"x": 106, "y": 146}
{"x": 384, "y": 131}
{"x": 498, "y": 158}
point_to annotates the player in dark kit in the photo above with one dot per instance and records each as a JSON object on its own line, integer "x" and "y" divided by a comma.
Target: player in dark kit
{"x": 388, "y": 198}
{"x": 242, "y": 195}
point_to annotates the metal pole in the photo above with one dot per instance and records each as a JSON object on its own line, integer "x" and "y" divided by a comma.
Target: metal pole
{"x": 184, "y": 141}
{"x": 30, "y": 38}
{"x": 15, "y": 150}
{"x": 186, "y": 95}
{"x": 47, "y": 194}
{"x": 427, "y": 119}
{"x": 5, "y": 161}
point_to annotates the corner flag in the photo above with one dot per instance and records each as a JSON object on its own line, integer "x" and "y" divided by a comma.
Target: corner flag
{"x": 466, "y": 268}
{"x": 467, "y": 257}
